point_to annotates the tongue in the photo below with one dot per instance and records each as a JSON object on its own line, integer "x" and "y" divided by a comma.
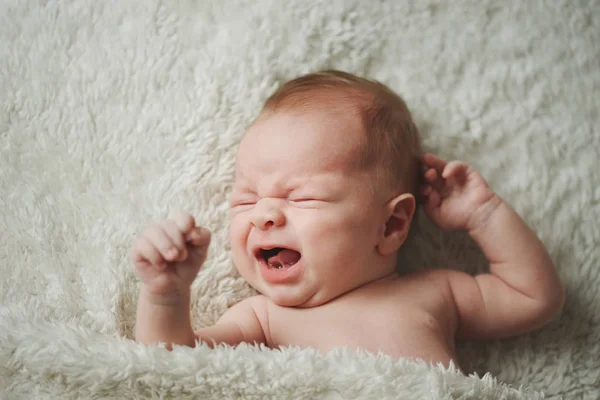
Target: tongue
{"x": 285, "y": 258}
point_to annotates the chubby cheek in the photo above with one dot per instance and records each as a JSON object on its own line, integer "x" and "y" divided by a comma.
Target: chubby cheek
{"x": 236, "y": 234}
{"x": 238, "y": 237}
{"x": 342, "y": 237}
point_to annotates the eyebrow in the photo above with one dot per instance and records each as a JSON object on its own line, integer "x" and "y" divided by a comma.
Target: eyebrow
{"x": 286, "y": 188}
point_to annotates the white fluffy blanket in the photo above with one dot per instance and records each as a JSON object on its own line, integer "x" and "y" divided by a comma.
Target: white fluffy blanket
{"x": 115, "y": 113}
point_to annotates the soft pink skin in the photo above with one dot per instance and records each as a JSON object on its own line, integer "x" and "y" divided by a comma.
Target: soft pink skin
{"x": 303, "y": 194}
{"x": 295, "y": 188}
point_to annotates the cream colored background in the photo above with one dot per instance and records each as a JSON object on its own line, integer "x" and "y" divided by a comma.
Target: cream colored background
{"x": 113, "y": 114}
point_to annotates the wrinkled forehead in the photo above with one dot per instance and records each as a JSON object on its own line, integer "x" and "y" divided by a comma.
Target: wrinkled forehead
{"x": 315, "y": 140}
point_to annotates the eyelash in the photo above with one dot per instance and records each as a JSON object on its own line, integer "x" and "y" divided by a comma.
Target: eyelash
{"x": 305, "y": 201}
{"x": 244, "y": 204}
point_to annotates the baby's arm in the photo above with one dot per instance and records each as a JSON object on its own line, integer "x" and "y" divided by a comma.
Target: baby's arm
{"x": 168, "y": 321}
{"x": 164, "y": 319}
{"x": 167, "y": 258}
{"x": 522, "y": 291}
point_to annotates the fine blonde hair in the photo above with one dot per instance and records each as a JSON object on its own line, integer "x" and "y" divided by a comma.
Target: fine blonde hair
{"x": 392, "y": 146}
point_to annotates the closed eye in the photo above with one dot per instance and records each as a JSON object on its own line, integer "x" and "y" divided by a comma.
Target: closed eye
{"x": 246, "y": 203}
{"x": 306, "y": 202}
{"x": 242, "y": 205}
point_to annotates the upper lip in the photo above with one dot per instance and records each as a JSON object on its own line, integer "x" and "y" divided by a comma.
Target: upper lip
{"x": 256, "y": 250}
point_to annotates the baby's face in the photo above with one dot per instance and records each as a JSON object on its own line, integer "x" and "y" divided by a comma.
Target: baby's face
{"x": 304, "y": 222}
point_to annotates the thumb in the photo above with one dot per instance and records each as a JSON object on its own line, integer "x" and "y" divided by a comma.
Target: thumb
{"x": 198, "y": 237}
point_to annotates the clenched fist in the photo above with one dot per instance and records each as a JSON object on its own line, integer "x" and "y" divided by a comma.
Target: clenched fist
{"x": 169, "y": 254}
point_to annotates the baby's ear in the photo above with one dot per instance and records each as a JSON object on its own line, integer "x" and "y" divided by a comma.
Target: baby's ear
{"x": 400, "y": 211}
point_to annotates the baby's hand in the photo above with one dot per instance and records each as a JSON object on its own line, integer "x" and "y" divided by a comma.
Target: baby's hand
{"x": 454, "y": 193}
{"x": 168, "y": 256}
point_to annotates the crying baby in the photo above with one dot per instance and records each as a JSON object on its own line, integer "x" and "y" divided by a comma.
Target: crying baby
{"x": 327, "y": 181}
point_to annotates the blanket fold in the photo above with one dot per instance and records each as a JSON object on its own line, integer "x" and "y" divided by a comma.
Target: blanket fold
{"x": 68, "y": 361}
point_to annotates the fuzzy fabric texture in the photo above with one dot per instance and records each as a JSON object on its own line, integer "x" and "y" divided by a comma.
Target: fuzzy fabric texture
{"x": 115, "y": 113}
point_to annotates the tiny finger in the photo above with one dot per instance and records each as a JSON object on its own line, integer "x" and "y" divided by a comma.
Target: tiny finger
{"x": 434, "y": 161}
{"x": 426, "y": 189}
{"x": 144, "y": 250}
{"x": 172, "y": 230}
{"x": 199, "y": 237}
{"x": 183, "y": 256}
{"x": 162, "y": 242}
{"x": 434, "y": 179}
{"x": 454, "y": 168}
{"x": 433, "y": 200}
{"x": 184, "y": 221}
{"x": 431, "y": 175}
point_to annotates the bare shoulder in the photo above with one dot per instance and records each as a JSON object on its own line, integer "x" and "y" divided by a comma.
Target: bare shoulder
{"x": 257, "y": 301}
{"x": 429, "y": 280}
{"x": 240, "y": 323}
{"x": 430, "y": 289}
{"x": 252, "y": 307}
{"x": 442, "y": 281}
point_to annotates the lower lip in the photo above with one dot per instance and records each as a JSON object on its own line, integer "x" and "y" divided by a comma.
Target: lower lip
{"x": 283, "y": 275}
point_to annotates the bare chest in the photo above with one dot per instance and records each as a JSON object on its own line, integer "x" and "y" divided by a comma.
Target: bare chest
{"x": 393, "y": 325}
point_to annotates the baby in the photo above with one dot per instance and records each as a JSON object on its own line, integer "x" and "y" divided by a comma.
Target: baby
{"x": 326, "y": 185}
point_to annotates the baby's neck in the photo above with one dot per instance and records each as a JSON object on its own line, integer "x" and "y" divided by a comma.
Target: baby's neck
{"x": 388, "y": 277}
{"x": 369, "y": 284}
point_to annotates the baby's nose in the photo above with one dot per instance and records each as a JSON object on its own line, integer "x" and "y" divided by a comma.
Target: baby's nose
{"x": 267, "y": 215}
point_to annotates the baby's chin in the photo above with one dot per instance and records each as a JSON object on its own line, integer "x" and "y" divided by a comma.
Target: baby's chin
{"x": 302, "y": 295}
{"x": 288, "y": 297}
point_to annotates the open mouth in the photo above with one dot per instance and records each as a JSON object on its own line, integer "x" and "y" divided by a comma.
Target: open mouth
{"x": 278, "y": 257}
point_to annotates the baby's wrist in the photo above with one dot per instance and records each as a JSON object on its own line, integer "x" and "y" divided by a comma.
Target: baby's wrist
{"x": 482, "y": 215}
{"x": 173, "y": 298}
